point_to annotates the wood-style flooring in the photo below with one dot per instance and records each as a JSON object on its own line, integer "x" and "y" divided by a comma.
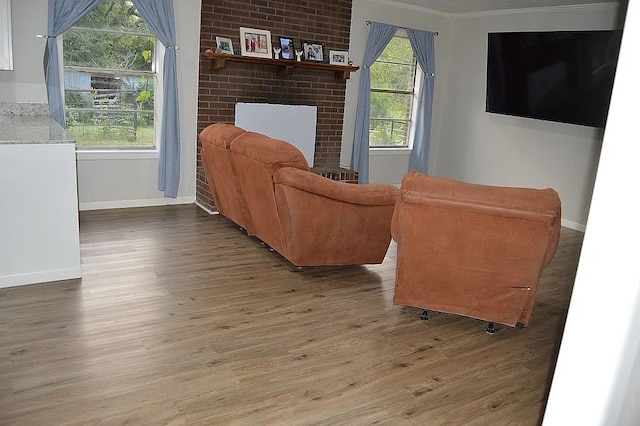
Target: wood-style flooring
{"x": 182, "y": 319}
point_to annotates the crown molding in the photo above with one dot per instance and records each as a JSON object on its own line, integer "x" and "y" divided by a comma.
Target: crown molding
{"x": 412, "y": 7}
{"x": 544, "y": 9}
{"x": 604, "y": 6}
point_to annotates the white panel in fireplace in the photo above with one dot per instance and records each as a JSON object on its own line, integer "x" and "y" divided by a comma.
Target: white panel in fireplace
{"x": 295, "y": 124}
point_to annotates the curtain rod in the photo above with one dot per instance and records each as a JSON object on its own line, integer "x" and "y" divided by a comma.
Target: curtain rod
{"x": 402, "y": 28}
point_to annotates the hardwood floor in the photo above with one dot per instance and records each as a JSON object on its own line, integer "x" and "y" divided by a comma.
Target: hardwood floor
{"x": 181, "y": 319}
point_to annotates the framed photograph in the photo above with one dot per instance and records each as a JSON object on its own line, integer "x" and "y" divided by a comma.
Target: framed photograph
{"x": 338, "y": 57}
{"x": 312, "y": 51}
{"x": 288, "y": 48}
{"x": 255, "y": 42}
{"x": 225, "y": 45}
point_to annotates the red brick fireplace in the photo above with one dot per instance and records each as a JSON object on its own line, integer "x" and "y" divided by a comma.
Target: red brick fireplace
{"x": 219, "y": 90}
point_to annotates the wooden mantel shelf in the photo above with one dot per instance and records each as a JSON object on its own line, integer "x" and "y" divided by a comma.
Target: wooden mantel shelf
{"x": 218, "y": 60}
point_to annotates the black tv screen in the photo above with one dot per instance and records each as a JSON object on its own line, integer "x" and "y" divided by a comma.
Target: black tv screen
{"x": 563, "y": 76}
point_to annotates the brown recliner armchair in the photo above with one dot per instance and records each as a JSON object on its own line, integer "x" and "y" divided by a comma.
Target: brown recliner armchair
{"x": 472, "y": 250}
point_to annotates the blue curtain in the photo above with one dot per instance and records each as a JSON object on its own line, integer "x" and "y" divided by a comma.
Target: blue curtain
{"x": 62, "y": 15}
{"x": 158, "y": 14}
{"x": 379, "y": 37}
{"x": 423, "y": 49}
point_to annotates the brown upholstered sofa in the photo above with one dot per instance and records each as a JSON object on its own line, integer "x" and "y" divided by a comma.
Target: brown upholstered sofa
{"x": 473, "y": 250}
{"x": 265, "y": 186}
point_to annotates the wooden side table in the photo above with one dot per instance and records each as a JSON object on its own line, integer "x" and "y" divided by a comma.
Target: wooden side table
{"x": 336, "y": 173}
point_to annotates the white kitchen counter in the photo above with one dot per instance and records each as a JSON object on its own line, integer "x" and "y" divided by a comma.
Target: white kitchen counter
{"x": 39, "y": 232}
{"x": 38, "y": 129}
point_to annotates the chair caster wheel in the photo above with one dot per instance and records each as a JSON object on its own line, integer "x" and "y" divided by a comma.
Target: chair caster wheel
{"x": 490, "y": 328}
{"x": 425, "y": 315}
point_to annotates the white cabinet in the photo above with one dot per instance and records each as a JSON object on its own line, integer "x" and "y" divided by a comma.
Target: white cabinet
{"x": 39, "y": 230}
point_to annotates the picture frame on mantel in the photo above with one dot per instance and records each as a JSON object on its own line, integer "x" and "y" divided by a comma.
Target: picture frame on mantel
{"x": 288, "y": 48}
{"x": 339, "y": 57}
{"x": 312, "y": 51}
{"x": 256, "y": 43}
{"x": 225, "y": 45}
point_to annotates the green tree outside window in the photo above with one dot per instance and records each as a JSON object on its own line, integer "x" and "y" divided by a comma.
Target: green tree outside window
{"x": 392, "y": 86}
{"x": 110, "y": 78}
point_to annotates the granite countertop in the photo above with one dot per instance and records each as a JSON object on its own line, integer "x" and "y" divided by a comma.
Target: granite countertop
{"x": 26, "y": 124}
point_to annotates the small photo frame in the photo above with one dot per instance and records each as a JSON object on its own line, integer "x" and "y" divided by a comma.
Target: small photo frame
{"x": 225, "y": 45}
{"x": 312, "y": 51}
{"x": 255, "y": 42}
{"x": 288, "y": 48}
{"x": 338, "y": 57}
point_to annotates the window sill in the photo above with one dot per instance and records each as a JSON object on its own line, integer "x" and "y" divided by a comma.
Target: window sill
{"x": 390, "y": 151}
{"x": 117, "y": 155}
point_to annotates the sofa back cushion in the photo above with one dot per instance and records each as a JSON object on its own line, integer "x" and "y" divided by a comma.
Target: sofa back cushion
{"x": 269, "y": 152}
{"x": 220, "y": 134}
{"x": 221, "y": 175}
{"x": 256, "y": 158}
{"x": 525, "y": 199}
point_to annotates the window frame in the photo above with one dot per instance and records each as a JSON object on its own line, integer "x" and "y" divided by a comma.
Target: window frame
{"x": 133, "y": 152}
{"x": 410, "y": 120}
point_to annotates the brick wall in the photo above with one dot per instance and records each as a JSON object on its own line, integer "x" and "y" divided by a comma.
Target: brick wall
{"x": 326, "y": 21}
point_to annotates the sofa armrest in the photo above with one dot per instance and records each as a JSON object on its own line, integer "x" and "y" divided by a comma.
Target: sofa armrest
{"x": 367, "y": 195}
{"x": 325, "y": 222}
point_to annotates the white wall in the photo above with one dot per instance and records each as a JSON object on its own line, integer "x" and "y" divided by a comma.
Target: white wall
{"x": 476, "y": 146}
{"x": 389, "y": 166}
{"x": 26, "y": 82}
{"x": 468, "y": 143}
{"x": 115, "y": 180}
{"x": 597, "y": 378}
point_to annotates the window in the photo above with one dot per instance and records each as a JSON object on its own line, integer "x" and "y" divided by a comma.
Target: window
{"x": 393, "y": 78}
{"x": 109, "y": 79}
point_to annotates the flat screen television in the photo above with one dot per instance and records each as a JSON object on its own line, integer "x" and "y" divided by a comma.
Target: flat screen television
{"x": 563, "y": 76}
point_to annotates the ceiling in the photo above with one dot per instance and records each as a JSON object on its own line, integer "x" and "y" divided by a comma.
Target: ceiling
{"x": 470, "y": 6}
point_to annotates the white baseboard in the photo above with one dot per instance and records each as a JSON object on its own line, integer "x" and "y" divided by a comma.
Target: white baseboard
{"x": 40, "y": 277}
{"x": 145, "y": 202}
{"x": 573, "y": 225}
{"x": 206, "y": 209}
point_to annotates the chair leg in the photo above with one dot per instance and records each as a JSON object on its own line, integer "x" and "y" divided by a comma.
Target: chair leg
{"x": 425, "y": 315}
{"x": 269, "y": 247}
{"x": 490, "y": 328}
